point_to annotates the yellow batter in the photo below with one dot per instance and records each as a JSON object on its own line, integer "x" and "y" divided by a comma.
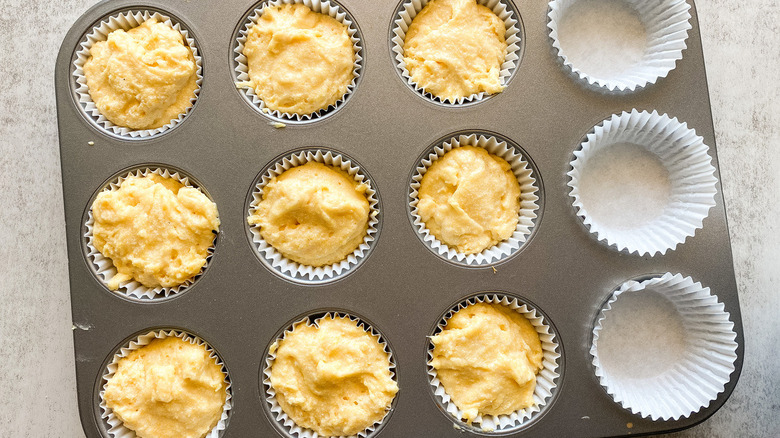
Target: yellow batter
{"x": 470, "y": 199}
{"x": 142, "y": 78}
{"x": 334, "y": 379}
{"x": 154, "y": 230}
{"x": 299, "y": 61}
{"x": 169, "y": 388}
{"x": 313, "y": 214}
{"x": 487, "y": 358}
{"x": 455, "y": 48}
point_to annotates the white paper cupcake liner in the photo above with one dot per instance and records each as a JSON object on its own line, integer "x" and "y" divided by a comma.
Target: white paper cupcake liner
{"x": 529, "y": 195}
{"x": 546, "y": 380}
{"x": 278, "y": 413}
{"x": 104, "y": 267}
{"x": 666, "y": 23}
{"x": 305, "y": 273}
{"x": 691, "y": 375}
{"x": 126, "y": 21}
{"x": 241, "y": 71}
{"x": 691, "y": 175}
{"x": 411, "y": 8}
{"x": 115, "y": 426}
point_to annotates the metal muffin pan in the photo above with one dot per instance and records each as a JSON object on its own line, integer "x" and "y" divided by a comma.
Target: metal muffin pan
{"x": 238, "y": 305}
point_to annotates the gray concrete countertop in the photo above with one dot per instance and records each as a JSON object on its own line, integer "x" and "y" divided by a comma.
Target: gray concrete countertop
{"x": 741, "y": 43}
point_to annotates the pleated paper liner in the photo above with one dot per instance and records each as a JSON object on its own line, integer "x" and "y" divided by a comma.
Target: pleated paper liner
{"x": 295, "y": 271}
{"x": 583, "y": 30}
{"x": 667, "y": 164}
{"x": 285, "y": 423}
{"x": 104, "y": 268}
{"x": 114, "y": 425}
{"x": 547, "y": 380}
{"x": 126, "y": 21}
{"x": 530, "y": 193}
{"x": 503, "y": 10}
{"x": 241, "y": 71}
{"x": 664, "y": 348}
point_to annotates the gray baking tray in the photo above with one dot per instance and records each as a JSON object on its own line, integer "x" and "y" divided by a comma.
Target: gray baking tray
{"x": 402, "y": 288}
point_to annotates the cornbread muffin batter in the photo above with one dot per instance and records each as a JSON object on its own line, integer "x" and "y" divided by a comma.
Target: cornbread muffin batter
{"x": 169, "y": 388}
{"x": 333, "y": 378}
{"x": 487, "y": 358}
{"x": 299, "y": 61}
{"x": 142, "y": 78}
{"x": 313, "y": 214}
{"x": 470, "y": 199}
{"x": 155, "y": 230}
{"x": 455, "y": 48}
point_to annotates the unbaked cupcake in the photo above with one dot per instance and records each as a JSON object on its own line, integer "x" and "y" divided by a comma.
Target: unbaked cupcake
{"x": 313, "y": 214}
{"x": 299, "y": 61}
{"x": 493, "y": 363}
{"x": 470, "y": 199}
{"x": 154, "y": 229}
{"x": 487, "y": 358}
{"x": 168, "y": 387}
{"x": 330, "y": 378}
{"x": 142, "y": 78}
{"x": 334, "y": 215}
{"x": 455, "y": 48}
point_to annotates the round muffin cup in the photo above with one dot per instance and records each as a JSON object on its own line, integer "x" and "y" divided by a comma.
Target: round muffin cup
{"x": 403, "y": 19}
{"x": 295, "y": 271}
{"x": 241, "y": 72}
{"x": 666, "y": 23}
{"x": 114, "y": 425}
{"x": 546, "y": 380}
{"x": 104, "y": 267}
{"x": 126, "y": 21}
{"x": 286, "y": 423}
{"x": 691, "y": 175}
{"x": 693, "y": 378}
{"x": 529, "y": 197}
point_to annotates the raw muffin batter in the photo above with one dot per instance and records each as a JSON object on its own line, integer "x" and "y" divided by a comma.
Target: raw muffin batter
{"x": 169, "y": 388}
{"x": 487, "y": 358}
{"x": 154, "y": 230}
{"x": 142, "y": 78}
{"x": 470, "y": 199}
{"x": 313, "y": 214}
{"x": 299, "y": 61}
{"x": 334, "y": 378}
{"x": 455, "y": 48}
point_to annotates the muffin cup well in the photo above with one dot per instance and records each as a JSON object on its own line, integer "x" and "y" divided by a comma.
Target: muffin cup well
{"x": 115, "y": 427}
{"x": 678, "y": 381}
{"x": 403, "y": 19}
{"x": 547, "y": 379}
{"x": 285, "y": 422}
{"x": 691, "y": 176}
{"x": 666, "y": 23}
{"x": 295, "y": 271}
{"x": 529, "y": 197}
{"x": 126, "y": 21}
{"x": 241, "y": 71}
{"x": 103, "y": 266}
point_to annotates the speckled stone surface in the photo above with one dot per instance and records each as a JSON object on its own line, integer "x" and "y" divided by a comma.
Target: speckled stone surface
{"x": 37, "y": 379}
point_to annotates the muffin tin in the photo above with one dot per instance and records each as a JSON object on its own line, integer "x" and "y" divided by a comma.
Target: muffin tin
{"x": 239, "y": 306}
